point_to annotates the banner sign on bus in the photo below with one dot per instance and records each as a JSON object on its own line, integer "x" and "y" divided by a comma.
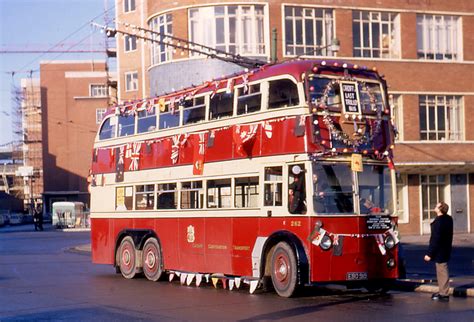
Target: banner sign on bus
{"x": 378, "y": 222}
{"x": 350, "y": 97}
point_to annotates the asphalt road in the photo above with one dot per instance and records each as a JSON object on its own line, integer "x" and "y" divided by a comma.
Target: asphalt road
{"x": 40, "y": 279}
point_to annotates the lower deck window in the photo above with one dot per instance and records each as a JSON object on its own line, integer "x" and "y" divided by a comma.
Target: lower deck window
{"x": 273, "y": 186}
{"x": 219, "y": 193}
{"x": 192, "y": 195}
{"x": 167, "y": 196}
{"x": 124, "y": 198}
{"x": 246, "y": 192}
{"x": 145, "y": 197}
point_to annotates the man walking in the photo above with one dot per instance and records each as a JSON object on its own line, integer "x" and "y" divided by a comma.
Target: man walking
{"x": 439, "y": 250}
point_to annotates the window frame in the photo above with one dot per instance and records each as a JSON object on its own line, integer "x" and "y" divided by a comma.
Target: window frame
{"x": 327, "y": 36}
{"x": 160, "y": 52}
{"x": 376, "y": 19}
{"x": 203, "y": 19}
{"x": 132, "y": 84}
{"x": 100, "y": 115}
{"x": 453, "y": 115}
{"x": 129, "y": 6}
{"x": 96, "y": 89}
{"x": 431, "y": 37}
{"x": 129, "y": 43}
{"x": 146, "y": 194}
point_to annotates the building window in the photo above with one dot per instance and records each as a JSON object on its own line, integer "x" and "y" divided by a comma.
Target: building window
{"x": 131, "y": 81}
{"x": 98, "y": 90}
{"x": 163, "y": 27}
{"x": 433, "y": 189}
{"x": 167, "y": 196}
{"x": 440, "y": 118}
{"x": 192, "y": 195}
{"x": 145, "y": 197}
{"x": 99, "y": 115}
{"x": 233, "y": 29}
{"x": 396, "y": 110}
{"x": 130, "y": 43}
{"x": 402, "y": 198}
{"x": 128, "y": 5}
{"x": 376, "y": 34}
{"x": 308, "y": 30}
{"x": 273, "y": 186}
{"x": 438, "y": 37}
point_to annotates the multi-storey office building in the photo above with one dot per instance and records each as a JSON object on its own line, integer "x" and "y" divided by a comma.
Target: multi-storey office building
{"x": 74, "y": 99}
{"x": 424, "y": 48}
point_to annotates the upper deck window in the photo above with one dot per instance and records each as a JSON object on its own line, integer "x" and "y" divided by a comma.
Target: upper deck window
{"x": 194, "y": 110}
{"x": 169, "y": 117}
{"x": 221, "y": 106}
{"x": 107, "y": 131}
{"x": 249, "y": 99}
{"x": 126, "y": 125}
{"x": 146, "y": 120}
{"x": 282, "y": 93}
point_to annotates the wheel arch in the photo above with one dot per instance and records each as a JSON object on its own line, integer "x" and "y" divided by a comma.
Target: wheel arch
{"x": 297, "y": 246}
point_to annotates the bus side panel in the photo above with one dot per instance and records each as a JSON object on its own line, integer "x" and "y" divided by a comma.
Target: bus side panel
{"x": 279, "y": 138}
{"x": 219, "y": 245}
{"x": 244, "y": 234}
{"x": 102, "y": 241}
{"x": 191, "y": 241}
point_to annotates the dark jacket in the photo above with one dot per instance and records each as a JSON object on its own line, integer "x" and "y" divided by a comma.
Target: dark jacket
{"x": 441, "y": 240}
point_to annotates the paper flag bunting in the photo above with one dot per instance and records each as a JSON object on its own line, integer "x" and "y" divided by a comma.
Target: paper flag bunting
{"x": 198, "y": 279}
{"x": 253, "y": 286}
{"x": 182, "y": 278}
{"x": 237, "y": 282}
{"x": 189, "y": 279}
{"x": 231, "y": 284}
{"x": 214, "y": 281}
{"x": 171, "y": 276}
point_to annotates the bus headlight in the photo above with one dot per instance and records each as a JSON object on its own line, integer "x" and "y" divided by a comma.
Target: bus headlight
{"x": 390, "y": 263}
{"x": 326, "y": 242}
{"x": 389, "y": 242}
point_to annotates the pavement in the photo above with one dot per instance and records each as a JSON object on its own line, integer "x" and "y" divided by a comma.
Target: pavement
{"x": 461, "y": 284}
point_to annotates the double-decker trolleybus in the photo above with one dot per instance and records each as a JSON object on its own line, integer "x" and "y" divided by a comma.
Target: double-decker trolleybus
{"x": 282, "y": 173}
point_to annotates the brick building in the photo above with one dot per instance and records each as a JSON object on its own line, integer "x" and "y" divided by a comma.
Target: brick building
{"x": 425, "y": 49}
{"x": 74, "y": 97}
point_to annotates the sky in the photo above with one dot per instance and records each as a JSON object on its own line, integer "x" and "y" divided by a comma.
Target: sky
{"x": 42, "y": 25}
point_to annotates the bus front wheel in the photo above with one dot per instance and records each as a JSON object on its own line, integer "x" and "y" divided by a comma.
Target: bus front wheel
{"x": 127, "y": 258}
{"x": 284, "y": 270}
{"x": 152, "y": 260}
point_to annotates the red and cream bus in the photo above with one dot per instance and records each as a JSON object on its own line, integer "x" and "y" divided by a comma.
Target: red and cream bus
{"x": 281, "y": 174}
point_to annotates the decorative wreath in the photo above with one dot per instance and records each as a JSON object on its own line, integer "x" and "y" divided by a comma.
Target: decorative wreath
{"x": 358, "y": 138}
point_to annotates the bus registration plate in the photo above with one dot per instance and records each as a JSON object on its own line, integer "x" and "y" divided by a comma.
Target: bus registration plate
{"x": 356, "y": 276}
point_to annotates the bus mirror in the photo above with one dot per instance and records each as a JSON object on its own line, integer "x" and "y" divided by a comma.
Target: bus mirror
{"x": 296, "y": 169}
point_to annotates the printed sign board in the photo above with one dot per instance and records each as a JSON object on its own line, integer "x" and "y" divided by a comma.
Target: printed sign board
{"x": 350, "y": 97}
